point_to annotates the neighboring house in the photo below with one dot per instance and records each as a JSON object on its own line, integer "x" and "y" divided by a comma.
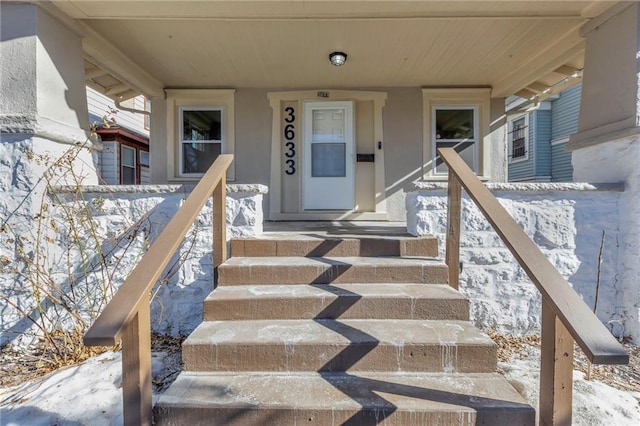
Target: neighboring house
{"x": 537, "y": 137}
{"x": 124, "y": 158}
{"x": 564, "y": 123}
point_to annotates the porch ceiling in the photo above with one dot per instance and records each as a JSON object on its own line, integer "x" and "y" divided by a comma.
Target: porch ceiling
{"x": 507, "y": 45}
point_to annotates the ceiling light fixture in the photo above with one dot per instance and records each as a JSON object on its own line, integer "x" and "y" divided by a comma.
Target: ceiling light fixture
{"x": 338, "y": 58}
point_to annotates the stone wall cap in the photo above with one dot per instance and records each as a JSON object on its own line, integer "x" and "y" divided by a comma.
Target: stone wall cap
{"x": 156, "y": 189}
{"x": 248, "y": 187}
{"x": 529, "y": 186}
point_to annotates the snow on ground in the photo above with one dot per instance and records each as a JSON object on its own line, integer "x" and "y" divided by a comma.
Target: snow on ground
{"x": 91, "y": 394}
{"x": 594, "y": 403}
{"x": 86, "y": 394}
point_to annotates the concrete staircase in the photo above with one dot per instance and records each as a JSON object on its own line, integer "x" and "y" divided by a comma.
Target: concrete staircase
{"x": 346, "y": 331}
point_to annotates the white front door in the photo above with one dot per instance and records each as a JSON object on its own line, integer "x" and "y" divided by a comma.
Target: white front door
{"x": 328, "y": 159}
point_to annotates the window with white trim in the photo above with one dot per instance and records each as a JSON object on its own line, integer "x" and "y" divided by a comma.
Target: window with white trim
{"x": 144, "y": 158}
{"x": 128, "y": 165}
{"x": 147, "y": 117}
{"x": 200, "y": 125}
{"x": 518, "y": 136}
{"x": 201, "y": 138}
{"x": 455, "y": 126}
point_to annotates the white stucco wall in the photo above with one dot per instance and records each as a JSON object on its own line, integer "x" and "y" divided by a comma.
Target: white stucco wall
{"x": 617, "y": 161}
{"x": 565, "y": 220}
{"x": 606, "y": 147}
{"x": 125, "y": 220}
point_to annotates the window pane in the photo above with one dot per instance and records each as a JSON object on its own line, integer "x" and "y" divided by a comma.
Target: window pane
{"x": 328, "y": 125}
{"x": 202, "y": 125}
{"x": 518, "y": 138}
{"x": 328, "y": 160}
{"x": 466, "y": 150}
{"x": 128, "y": 175}
{"x": 144, "y": 158}
{"x": 147, "y": 118}
{"x": 128, "y": 156}
{"x": 454, "y": 124}
{"x": 198, "y": 157}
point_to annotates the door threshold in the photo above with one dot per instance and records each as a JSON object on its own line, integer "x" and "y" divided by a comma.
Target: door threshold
{"x": 324, "y": 215}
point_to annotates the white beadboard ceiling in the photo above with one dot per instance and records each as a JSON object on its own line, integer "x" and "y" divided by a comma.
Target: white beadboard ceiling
{"x": 506, "y": 45}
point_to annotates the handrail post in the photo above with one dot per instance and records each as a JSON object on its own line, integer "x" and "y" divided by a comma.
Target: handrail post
{"x": 219, "y": 224}
{"x": 452, "y": 256}
{"x": 556, "y": 370}
{"x": 136, "y": 368}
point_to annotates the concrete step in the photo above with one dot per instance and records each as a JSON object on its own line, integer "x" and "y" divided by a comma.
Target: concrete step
{"x": 344, "y": 345}
{"x": 326, "y": 270}
{"x": 346, "y": 301}
{"x": 252, "y": 399}
{"x": 318, "y": 246}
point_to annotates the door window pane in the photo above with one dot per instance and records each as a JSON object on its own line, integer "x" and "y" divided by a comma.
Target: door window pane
{"x": 328, "y": 125}
{"x": 328, "y": 160}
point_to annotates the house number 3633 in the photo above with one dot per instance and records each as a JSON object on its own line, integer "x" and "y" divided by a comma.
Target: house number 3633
{"x": 289, "y": 136}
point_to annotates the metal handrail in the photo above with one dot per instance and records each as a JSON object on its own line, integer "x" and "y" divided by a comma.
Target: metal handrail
{"x": 127, "y": 316}
{"x": 565, "y": 316}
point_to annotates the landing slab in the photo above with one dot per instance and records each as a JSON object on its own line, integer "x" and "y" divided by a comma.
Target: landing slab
{"x": 335, "y": 228}
{"x": 316, "y": 245}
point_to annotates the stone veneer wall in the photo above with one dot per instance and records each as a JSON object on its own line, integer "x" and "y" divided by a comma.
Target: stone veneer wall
{"x": 565, "y": 220}
{"x": 126, "y": 220}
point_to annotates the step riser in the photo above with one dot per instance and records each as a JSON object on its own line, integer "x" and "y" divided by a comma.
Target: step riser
{"x": 325, "y": 274}
{"x": 331, "y": 358}
{"x": 423, "y": 247}
{"x": 245, "y": 416}
{"x": 331, "y": 307}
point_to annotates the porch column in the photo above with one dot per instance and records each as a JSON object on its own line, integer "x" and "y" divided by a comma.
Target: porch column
{"x": 43, "y": 102}
{"x": 43, "y": 114}
{"x": 606, "y": 147}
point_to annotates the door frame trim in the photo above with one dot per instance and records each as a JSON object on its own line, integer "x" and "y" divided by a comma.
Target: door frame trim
{"x": 275, "y": 183}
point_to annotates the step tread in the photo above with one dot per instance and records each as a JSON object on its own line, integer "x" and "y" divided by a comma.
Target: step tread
{"x": 300, "y": 301}
{"x": 301, "y": 291}
{"x": 331, "y": 261}
{"x": 317, "y": 398}
{"x": 338, "y": 332}
{"x": 305, "y": 270}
